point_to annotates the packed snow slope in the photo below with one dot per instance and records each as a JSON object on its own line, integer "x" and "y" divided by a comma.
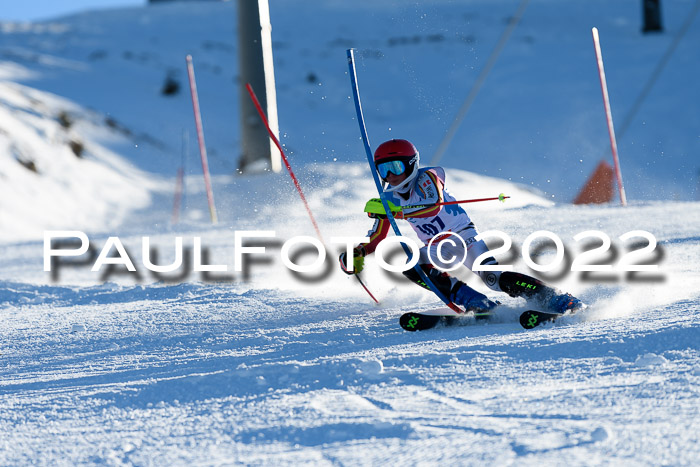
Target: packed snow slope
{"x": 267, "y": 367}
{"x": 276, "y": 370}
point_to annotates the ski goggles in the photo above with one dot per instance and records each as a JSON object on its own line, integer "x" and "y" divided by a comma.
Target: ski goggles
{"x": 395, "y": 167}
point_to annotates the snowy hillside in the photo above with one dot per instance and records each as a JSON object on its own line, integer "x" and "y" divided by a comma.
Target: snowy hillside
{"x": 267, "y": 367}
{"x": 540, "y": 106}
{"x": 55, "y": 173}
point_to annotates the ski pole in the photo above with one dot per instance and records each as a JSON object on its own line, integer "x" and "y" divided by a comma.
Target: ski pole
{"x": 365, "y": 287}
{"x": 502, "y": 198}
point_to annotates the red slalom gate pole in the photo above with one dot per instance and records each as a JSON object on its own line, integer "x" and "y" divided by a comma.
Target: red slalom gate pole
{"x": 608, "y": 115}
{"x": 254, "y": 98}
{"x": 200, "y": 139}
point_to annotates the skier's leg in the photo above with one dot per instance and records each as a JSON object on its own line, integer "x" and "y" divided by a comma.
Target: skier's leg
{"x": 519, "y": 285}
{"x": 516, "y": 284}
{"x": 475, "y": 249}
{"x": 455, "y": 290}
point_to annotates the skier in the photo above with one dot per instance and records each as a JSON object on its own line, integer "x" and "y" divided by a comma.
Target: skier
{"x": 397, "y": 162}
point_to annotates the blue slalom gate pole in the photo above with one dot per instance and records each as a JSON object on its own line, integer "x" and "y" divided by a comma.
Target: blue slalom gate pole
{"x": 377, "y": 182}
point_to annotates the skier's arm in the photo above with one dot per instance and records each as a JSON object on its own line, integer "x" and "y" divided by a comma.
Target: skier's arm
{"x": 377, "y": 233}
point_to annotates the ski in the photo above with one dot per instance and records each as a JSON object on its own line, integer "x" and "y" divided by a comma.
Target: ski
{"x": 532, "y": 318}
{"x": 416, "y": 321}
{"x": 420, "y": 321}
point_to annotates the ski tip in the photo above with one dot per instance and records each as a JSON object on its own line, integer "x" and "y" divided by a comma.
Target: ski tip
{"x": 532, "y": 318}
{"x": 418, "y": 322}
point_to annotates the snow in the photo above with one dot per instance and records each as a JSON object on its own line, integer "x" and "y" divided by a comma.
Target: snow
{"x": 265, "y": 367}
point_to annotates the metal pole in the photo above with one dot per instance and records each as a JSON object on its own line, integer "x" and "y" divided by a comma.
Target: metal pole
{"x": 255, "y": 63}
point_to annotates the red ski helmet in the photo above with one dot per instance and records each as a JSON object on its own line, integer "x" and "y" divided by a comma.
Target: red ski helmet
{"x": 402, "y": 151}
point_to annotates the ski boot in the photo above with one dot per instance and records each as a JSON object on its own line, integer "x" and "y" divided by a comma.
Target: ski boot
{"x": 471, "y": 300}
{"x": 538, "y": 293}
{"x": 455, "y": 290}
{"x": 561, "y": 303}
